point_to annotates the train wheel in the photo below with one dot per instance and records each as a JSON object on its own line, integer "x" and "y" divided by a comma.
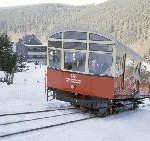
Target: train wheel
{"x": 103, "y": 112}
{"x": 135, "y": 105}
{"x": 84, "y": 109}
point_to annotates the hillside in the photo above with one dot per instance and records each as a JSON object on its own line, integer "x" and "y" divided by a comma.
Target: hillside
{"x": 128, "y": 20}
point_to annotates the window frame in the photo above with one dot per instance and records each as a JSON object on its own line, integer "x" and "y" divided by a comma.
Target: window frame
{"x": 78, "y": 38}
{"x": 72, "y": 48}
{"x": 97, "y": 35}
{"x": 72, "y": 51}
{"x": 58, "y": 33}
{"x": 87, "y": 52}
{"x": 48, "y": 56}
{"x": 99, "y": 52}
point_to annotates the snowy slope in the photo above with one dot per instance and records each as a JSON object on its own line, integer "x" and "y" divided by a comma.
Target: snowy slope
{"x": 27, "y": 94}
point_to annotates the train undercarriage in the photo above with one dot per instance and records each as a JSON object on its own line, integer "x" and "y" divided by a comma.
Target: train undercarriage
{"x": 98, "y": 106}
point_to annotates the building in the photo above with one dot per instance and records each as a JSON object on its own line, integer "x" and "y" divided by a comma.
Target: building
{"x": 36, "y": 53}
{"x": 20, "y": 49}
{"x": 30, "y": 49}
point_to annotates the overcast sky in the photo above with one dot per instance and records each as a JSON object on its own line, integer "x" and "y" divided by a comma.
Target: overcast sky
{"x": 5, "y": 3}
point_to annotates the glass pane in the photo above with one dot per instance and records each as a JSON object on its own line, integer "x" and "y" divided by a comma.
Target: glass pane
{"x": 57, "y": 36}
{"x": 56, "y": 44}
{"x": 74, "y": 45}
{"x": 55, "y": 58}
{"x": 100, "y": 63}
{"x": 43, "y": 49}
{"x": 75, "y": 61}
{"x": 75, "y": 35}
{"x": 130, "y": 67}
{"x": 30, "y": 49}
{"x": 96, "y": 37}
{"x": 100, "y": 47}
{"x": 120, "y": 65}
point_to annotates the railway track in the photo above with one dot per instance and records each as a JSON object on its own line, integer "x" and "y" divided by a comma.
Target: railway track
{"x": 11, "y": 118}
{"x": 33, "y": 112}
{"x": 44, "y": 127}
{"x": 20, "y": 121}
{"x": 39, "y": 123}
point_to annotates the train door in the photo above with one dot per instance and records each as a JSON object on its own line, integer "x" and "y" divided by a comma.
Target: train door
{"x": 120, "y": 70}
{"x": 123, "y": 61}
{"x": 137, "y": 72}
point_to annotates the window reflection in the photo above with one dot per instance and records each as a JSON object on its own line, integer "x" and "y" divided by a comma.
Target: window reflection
{"x": 100, "y": 63}
{"x": 129, "y": 67}
{"x": 100, "y": 47}
{"x": 56, "y": 44}
{"x": 96, "y": 37}
{"x": 75, "y": 45}
{"x": 120, "y": 65}
{"x": 75, "y": 35}
{"x": 57, "y": 36}
{"x": 55, "y": 58}
{"x": 74, "y": 61}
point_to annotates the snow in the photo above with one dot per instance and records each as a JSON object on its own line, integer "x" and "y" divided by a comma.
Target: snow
{"x": 146, "y": 65}
{"x": 27, "y": 94}
{"x": 2, "y": 75}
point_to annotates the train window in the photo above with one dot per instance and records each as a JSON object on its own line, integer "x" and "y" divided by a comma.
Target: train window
{"x": 96, "y": 37}
{"x": 75, "y": 35}
{"x": 120, "y": 64}
{"x": 56, "y": 44}
{"x": 43, "y": 49}
{"x": 74, "y": 61}
{"x": 30, "y": 56}
{"x": 30, "y": 49}
{"x": 100, "y": 47}
{"x": 75, "y": 45}
{"x": 100, "y": 63}
{"x": 118, "y": 61}
{"x": 55, "y": 58}
{"x": 129, "y": 68}
{"x": 137, "y": 70}
{"x": 57, "y": 36}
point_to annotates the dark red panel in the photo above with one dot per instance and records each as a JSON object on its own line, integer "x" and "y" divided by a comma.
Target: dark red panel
{"x": 81, "y": 83}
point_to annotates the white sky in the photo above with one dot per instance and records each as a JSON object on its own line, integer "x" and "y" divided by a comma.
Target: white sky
{"x": 5, "y": 3}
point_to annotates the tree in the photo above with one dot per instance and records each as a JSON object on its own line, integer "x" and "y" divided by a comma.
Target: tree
{"x": 5, "y": 47}
{"x": 7, "y": 58}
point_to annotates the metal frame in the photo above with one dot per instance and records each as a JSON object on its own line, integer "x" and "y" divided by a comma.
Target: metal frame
{"x": 87, "y": 51}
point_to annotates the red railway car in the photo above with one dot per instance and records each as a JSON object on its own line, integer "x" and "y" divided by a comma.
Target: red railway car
{"x": 95, "y": 71}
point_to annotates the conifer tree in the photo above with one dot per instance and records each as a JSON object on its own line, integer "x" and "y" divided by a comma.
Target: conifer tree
{"x": 7, "y": 58}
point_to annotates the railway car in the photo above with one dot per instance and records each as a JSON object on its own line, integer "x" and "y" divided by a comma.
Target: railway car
{"x": 95, "y": 71}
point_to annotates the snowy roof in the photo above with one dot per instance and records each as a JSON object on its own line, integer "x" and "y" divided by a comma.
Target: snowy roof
{"x": 31, "y": 39}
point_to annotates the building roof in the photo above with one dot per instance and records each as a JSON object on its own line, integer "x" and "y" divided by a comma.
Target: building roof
{"x": 31, "y": 40}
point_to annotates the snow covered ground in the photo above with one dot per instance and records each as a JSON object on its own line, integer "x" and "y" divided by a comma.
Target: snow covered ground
{"x": 27, "y": 94}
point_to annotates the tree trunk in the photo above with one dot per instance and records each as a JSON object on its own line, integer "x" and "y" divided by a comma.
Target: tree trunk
{"x": 9, "y": 77}
{"x": 12, "y": 78}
